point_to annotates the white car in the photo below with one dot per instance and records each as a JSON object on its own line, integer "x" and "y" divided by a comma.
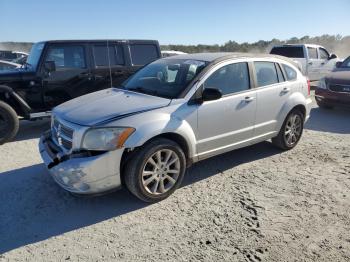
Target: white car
{"x": 144, "y": 134}
{"x": 6, "y": 65}
{"x": 316, "y": 62}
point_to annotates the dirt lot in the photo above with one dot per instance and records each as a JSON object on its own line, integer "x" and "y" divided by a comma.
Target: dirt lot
{"x": 253, "y": 204}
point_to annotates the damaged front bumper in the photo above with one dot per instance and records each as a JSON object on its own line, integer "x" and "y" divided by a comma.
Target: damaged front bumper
{"x": 81, "y": 173}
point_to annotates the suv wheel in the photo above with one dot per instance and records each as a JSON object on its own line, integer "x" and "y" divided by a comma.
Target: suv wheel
{"x": 8, "y": 123}
{"x": 156, "y": 170}
{"x": 291, "y": 131}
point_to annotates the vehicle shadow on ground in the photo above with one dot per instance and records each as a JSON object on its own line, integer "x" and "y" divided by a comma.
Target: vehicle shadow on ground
{"x": 33, "y": 208}
{"x": 32, "y": 129}
{"x": 335, "y": 120}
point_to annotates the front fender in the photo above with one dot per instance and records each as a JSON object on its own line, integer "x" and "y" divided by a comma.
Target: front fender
{"x": 11, "y": 93}
{"x": 163, "y": 123}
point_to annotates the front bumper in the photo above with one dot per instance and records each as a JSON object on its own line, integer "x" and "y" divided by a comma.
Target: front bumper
{"x": 330, "y": 98}
{"x": 81, "y": 173}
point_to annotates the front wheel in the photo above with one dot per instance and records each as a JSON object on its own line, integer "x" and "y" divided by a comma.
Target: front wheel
{"x": 156, "y": 170}
{"x": 291, "y": 131}
{"x": 8, "y": 123}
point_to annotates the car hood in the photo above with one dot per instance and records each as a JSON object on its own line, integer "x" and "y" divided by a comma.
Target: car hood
{"x": 107, "y": 105}
{"x": 340, "y": 76}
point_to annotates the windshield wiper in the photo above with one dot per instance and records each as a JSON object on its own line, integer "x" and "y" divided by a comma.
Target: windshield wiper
{"x": 143, "y": 90}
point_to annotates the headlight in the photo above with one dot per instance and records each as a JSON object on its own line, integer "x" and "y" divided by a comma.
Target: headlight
{"x": 106, "y": 139}
{"x": 322, "y": 84}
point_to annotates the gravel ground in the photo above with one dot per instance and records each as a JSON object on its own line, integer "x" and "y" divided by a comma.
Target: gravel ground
{"x": 252, "y": 204}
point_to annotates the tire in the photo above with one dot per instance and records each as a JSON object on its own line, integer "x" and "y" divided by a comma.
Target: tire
{"x": 287, "y": 140}
{"x": 9, "y": 123}
{"x": 145, "y": 180}
{"x": 324, "y": 106}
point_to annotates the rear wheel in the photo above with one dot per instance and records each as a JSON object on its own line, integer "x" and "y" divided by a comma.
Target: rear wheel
{"x": 156, "y": 170}
{"x": 8, "y": 123}
{"x": 291, "y": 131}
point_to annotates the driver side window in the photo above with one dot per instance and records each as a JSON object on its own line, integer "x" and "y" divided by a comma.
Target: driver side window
{"x": 230, "y": 79}
{"x": 323, "y": 54}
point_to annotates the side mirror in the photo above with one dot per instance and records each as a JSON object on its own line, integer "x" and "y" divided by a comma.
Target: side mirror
{"x": 332, "y": 56}
{"x": 50, "y": 66}
{"x": 210, "y": 94}
{"x": 338, "y": 64}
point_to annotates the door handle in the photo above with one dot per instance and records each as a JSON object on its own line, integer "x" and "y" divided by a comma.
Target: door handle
{"x": 248, "y": 99}
{"x": 310, "y": 63}
{"x": 85, "y": 75}
{"x": 323, "y": 63}
{"x": 285, "y": 90}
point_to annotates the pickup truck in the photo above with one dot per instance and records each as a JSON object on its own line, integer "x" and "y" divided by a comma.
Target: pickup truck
{"x": 315, "y": 61}
{"x": 57, "y": 71}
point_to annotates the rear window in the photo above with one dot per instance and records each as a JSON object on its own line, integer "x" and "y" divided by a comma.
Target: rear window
{"x": 108, "y": 55}
{"x": 265, "y": 73}
{"x": 142, "y": 54}
{"x": 288, "y": 51}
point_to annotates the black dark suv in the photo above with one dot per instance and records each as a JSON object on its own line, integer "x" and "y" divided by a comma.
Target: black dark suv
{"x": 57, "y": 71}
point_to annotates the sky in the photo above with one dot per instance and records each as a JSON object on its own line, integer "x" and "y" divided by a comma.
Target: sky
{"x": 172, "y": 22}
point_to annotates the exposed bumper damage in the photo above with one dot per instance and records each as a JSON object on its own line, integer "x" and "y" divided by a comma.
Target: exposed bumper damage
{"x": 81, "y": 173}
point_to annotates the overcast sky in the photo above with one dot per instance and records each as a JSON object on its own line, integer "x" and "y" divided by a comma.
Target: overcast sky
{"x": 177, "y": 22}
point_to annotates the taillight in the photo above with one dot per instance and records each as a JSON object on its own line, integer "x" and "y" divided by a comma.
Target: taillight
{"x": 308, "y": 87}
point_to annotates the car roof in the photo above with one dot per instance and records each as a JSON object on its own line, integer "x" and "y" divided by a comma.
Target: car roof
{"x": 221, "y": 56}
{"x": 100, "y": 40}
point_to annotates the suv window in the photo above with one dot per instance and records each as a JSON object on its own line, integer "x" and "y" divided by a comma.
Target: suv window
{"x": 230, "y": 79}
{"x": 312, "y": 52}
{"x": 291, "y": 74}
{"x": 265, "y": 73}
{"x": 142, "y": 54}
{"x": 323, "y": 53}
{"x": 288, "y": 51}
{"x": 71, "y": 56}
{"x": 101, "y": 55}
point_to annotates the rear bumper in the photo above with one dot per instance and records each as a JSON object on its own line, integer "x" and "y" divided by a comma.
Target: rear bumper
{"x": 308, "y": 108}
{"x": 81, "y": 173}
{"x": 326, "y": 97}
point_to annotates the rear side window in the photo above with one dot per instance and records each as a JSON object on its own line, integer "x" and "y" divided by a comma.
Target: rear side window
{"x": 288, "y": 51}
{"x": 323, "y": 53}
{"x": 312, "y": 52}
{"x": 265, "y": 73}
{"x": 291, "y": 74}
{"x": 70, "y": 56}
{"x": 108, "y": 55}
{"x": 142, "y": 54}
{"x": 230, "y": 79}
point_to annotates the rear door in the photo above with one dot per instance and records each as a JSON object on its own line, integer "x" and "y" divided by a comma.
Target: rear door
{"x": 72, "y": 76}
{"x": 313, "y": 64}
{"x": 227, "y": 123}
{"x": 109, "y": 67}
{"x": 273, "y": 90}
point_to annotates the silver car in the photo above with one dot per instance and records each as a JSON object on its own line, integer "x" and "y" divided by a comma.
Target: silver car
{"x": 174, "y": 112}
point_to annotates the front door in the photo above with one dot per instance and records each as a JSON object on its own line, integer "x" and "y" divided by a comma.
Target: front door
{"x": 72, "y": 77}
{"x": 227, "y": 123}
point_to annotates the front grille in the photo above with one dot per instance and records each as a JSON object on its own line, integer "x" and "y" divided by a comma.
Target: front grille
{"x": 62, "y": 135}
{"x": 339, "y": 88}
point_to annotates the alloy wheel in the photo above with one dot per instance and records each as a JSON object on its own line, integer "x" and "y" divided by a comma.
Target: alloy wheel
{"x": 293, "y": 129}
{"x": 161, "y": 171}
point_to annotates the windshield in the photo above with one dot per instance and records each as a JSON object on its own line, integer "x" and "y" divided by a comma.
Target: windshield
{"x": 165, "y": 77}
{"x": 346, "y": 63}
{"x": 34, "y": 56}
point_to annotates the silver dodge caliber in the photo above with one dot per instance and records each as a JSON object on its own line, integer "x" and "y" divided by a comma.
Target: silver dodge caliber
{"x": 172, "y": 113}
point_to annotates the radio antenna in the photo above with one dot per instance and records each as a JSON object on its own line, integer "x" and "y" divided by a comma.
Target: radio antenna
{"x": 109, "y": 64}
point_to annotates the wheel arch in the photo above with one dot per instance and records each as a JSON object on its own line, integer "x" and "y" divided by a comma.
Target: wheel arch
{"x": 9, "y": 96}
